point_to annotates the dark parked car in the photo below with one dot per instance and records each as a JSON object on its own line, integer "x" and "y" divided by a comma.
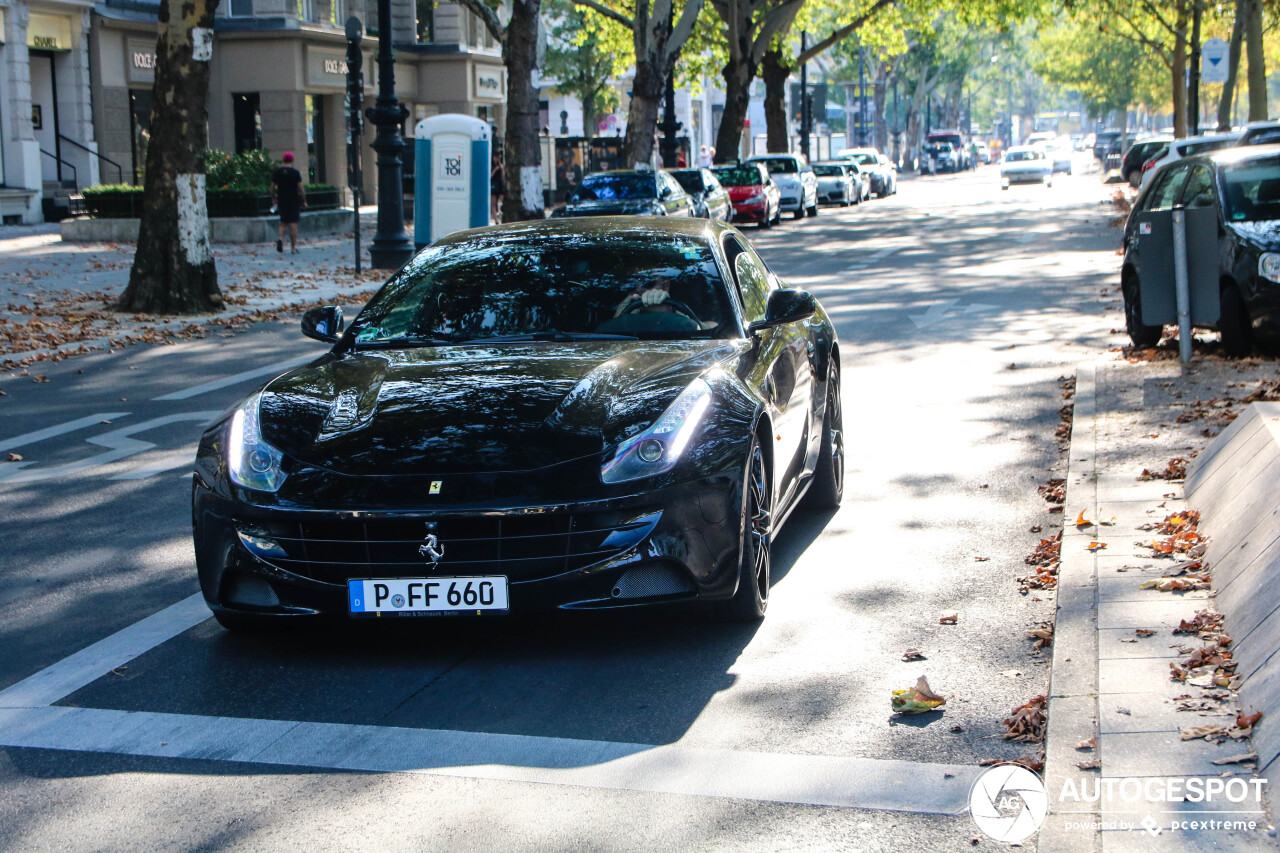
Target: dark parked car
{"x": 1138, "y": 155}
{"x": 637, "y": 193}
{"x": 1107, "y": 143}
{"x": 1241, "y": 186}
{"x": 559, "y": 415}
{"x": 710, "y": 199}
{"x": 1261, "y": 133}
{"x": 754, "y": 195}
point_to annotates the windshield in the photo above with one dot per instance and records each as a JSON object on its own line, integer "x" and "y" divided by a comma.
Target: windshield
{"x": 1018, "y": 156}
{"x": 865, "y": 159}
{"x": 1201, "y": 147}
{"x": 1252, "y": 190}
{"x": 739, "y": 176}
{"x": 621, "y": 185}
{"x": 691, "y": 181}
{"x": 779, "y": 166}
{"x": 551, "y": 285}
{"x": 828, "y": 171}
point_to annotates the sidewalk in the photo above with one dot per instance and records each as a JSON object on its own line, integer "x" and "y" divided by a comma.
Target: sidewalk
{"x": 1114, "y": 640}
{"x": 55, "y": 297}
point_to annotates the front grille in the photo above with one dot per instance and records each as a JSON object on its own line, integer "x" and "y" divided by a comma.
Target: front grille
{"x": 521, "y": 546}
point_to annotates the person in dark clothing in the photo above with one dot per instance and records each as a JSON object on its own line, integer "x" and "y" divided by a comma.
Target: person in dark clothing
{"x": 496, "y": 187}
{"x": 289, "y": 196}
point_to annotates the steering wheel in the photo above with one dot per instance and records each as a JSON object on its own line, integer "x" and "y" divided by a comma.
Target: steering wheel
{"x": 678, "y": 306}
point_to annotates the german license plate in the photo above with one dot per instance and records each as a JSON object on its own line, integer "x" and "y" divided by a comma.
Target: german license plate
{"x": 425, "y": 596}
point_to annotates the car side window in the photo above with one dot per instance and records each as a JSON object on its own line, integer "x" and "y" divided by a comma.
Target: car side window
{"x": 753, "y": 285}
{"x": 1167, "y": 193}
{"x": 1199, "y": 189}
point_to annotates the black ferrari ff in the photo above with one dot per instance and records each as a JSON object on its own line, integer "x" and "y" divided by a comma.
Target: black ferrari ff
{"x": 572, "y": 414}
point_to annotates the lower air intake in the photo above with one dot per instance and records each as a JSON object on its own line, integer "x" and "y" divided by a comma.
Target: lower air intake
{"x": 652, "y": 582}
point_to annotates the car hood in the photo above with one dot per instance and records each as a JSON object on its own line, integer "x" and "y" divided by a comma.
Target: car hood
{"x": 1263, "y": 235}
{"x": 471, "y": 409}
{"x": 786, "y": 179}
{"x": 609, "y": 207}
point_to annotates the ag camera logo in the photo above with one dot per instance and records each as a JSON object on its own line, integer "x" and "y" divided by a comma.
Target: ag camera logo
{"x": 1008, "y": 803}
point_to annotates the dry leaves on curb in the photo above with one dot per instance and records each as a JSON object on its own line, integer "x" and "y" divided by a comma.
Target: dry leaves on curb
{"x": 1035, "y": 765}
{"x": 1176, "y": 469}
{"x": 1045, "y": 560}
{"x": 916, "y": 700}
{"x": 1027, "y": 723}
{"x": 1042, "y": 635}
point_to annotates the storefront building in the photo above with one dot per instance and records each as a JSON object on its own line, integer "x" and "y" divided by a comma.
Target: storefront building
{"x": 279, "y": 76}
{"x": 47, "y": 141}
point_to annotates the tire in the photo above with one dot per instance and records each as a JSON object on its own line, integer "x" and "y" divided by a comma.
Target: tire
{"x": 1135, "y": 178}
{"x": 813, "y": 211}
{"x": 827, "y": 488}
{"x": 799, "y": 212}
{"x": 1237, "y": 331}
{"x": 1141, "y": 335}
{"x": 752, "y": 598}
{"x": 765, "y": 221}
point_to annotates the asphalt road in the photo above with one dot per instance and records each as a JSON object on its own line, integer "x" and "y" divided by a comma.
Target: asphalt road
{"x": 959, "y": 308}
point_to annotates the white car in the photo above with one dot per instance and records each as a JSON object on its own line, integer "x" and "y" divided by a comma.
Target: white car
{"x": 1058, "y": 154}
{"x": 1179, "y": 148}
{"x": 1023, "y": 164}
{"x": 795, "y": 179}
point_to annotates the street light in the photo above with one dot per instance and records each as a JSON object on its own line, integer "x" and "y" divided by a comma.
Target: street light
{"x": 391, "y": 245}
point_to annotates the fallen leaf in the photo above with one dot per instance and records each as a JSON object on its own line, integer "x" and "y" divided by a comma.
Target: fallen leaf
{"x": 1086, "y": 745}
{"x": 913, "y": 654}
{"x": 1246, "y": 721}
{"x": 1237, "y": 759}
{"x": 981, "y": 559}
{"x": 1012, "y": 673}
{"x": 951, "y": 617}
{"x": 916, "y": 700}
{"x": 1206, "y": 732}
{"x": 1144, "y": 632}
{"x": 1095, "y": 546}
{"x": 15, "y": 457}
{"x": 1093, "y": 764}
{"x": 1081, "y": 521}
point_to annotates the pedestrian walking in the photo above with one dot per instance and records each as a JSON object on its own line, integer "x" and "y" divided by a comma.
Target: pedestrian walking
{"x": 289, "y": 197}
{"x": 704, "y": 158}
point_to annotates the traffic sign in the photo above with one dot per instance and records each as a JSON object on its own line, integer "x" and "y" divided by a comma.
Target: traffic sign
{"x": 1213, "y": 61}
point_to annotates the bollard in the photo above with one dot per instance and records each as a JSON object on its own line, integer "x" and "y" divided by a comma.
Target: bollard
{"x": 1181, "y": 290}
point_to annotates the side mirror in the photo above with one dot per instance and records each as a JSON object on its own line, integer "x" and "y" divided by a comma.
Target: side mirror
{"x": 323, "y": 324}
{"x": 786, "y": 306}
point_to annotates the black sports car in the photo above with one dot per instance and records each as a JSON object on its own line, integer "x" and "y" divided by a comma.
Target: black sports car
{"x": 644, "y": 192}
{"x": 578, "y": 414}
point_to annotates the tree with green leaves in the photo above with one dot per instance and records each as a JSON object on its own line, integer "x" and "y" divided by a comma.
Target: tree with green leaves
{"x": 1109, "y": 74}
{"x": 584, "y": 53}
{"x": 522, "y": 155}
{"x": 659, "y": 32}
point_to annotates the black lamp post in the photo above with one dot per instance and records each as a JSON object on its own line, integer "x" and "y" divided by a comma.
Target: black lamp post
{"x": 667, "y": 145}
{"x": 391, "y": 245}
{"x": 804, "y": 98}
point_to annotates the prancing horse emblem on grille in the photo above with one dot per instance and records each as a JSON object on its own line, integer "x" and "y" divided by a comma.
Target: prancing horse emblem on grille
{"x": 431, "y": 549}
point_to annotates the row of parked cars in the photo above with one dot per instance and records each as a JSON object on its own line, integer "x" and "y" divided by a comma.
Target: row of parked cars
{"x": 1149, "y": 152}
{"x": 759, "y": 189}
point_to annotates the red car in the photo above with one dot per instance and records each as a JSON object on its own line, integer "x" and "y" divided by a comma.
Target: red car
{"x": 754, "y": 195}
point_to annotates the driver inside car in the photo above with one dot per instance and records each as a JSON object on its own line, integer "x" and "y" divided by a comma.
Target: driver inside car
{"x": 650, "y": 295}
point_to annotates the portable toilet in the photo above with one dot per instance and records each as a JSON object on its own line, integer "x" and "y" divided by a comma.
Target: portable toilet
{"x": 451, "y": 176}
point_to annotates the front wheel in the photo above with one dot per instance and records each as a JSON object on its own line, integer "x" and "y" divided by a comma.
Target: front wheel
{"x": 799, "y": 212}
{"x": 1237, "y": 337}
{"x": 1142, "y": 335}
{"x": 828, "y": 479}
{"x": 752, "y": 598}
{"x": 813, "y": 211}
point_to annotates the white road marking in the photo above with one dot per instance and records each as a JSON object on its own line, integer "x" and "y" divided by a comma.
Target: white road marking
{"x": 214, "y": 385}
{"x": 7, "y": 444}
{"x": 119, "y": 442}
{"x": 91, "y": 663}
{"x": 29, "y": 719}
{"x": 939, "y": 312}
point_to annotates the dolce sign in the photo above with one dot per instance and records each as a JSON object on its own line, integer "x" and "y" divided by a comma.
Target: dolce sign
{"x": 335, "y": 66}
{"x": 143, "y": 59}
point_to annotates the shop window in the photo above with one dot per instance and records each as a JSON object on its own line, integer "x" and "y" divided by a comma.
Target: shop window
{"x": 306, "y": 10}
{"x": 426, "y": 25}
{"x": 240, "y": 8}
{"x": 336, "y": 16}
{"x": 315, "y": 139}
{"x": 140, "y": 131}
{"x": 246, "y": 113}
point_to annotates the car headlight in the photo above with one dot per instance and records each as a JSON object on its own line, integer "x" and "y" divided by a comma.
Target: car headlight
{"x": 1269, "y": 266}
{"x": 253, "y": 463}
{"x": 657, "y": 449}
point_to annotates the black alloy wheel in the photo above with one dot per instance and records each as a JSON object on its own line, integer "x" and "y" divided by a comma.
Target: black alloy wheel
{"x": 828, "y": 480}
{"x": 765, "y": 221}
{"x": 813, "y": 211}
{"x": 1142, "y": 335}
{"x": 752, "y": 598}
{"x": 1237, "y": 331}
{"x": 799, "y": 214}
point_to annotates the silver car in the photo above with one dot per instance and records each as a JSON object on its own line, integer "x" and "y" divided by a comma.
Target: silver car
{"x": 795, "y": 179}
{"x": 1025, "y": 164}
{"x": 839, "y": 183}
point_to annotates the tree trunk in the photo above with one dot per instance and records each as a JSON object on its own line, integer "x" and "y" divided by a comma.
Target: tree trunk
{"x": 774, "y": 72}
{"x": 1257, "y": 61}
{"x": 647, "y": 92}
{"x": 1233, "y": 68}
{"x": 737, "y": 96}
{"x": 522, "y": 156}
{"x": 173, "y": 268}
{"x": 879, "y": 128}
{"x": 912, "y": 147}
{"x": 1179, "y": 72}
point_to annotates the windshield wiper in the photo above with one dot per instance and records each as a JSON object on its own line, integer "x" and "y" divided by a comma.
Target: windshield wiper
{"x": 555, "y": 335}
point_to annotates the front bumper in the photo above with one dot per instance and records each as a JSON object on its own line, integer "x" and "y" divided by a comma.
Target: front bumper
{"x": 674, "y": 544}
{"x": 1024, "y": 177}
{"x": 749, "y": 211}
